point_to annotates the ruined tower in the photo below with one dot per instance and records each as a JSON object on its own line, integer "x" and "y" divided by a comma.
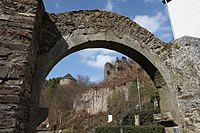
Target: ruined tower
{"x": 67, "y": 79}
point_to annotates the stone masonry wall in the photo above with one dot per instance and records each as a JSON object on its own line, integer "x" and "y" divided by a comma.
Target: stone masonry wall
{"x": 186, "y": 79}
{"x": 17, "y": 57}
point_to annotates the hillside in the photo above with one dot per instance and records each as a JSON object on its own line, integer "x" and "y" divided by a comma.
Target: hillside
{"x": 78, "y": 104}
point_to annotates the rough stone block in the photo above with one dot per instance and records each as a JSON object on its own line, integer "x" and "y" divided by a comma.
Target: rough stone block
{"x": 9, "y": 99}
{"x": 12, "y": 111}
{"x": 12, "y": 90}
{"x": 9, "y": 130}
{"x": 8, "y": 123}
{"x": 16, "y": 71}
{"x": 3, "y": 71}
{"x": 27, "y": 95}
{"x": 14, "y": 82}
{"x": 5, "y": 53}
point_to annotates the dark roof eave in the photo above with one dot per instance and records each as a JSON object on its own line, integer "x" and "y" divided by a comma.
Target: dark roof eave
{"x": 164, "y": 1}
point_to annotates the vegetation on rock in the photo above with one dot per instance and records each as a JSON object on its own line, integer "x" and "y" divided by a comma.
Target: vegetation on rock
{"x": 123, "y": 105}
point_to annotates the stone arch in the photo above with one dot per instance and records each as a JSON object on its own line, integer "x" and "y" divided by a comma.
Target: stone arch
{"x": 65, "y": 33}
{"x": 28, "y": 36}
{"x": 32, "y": 41}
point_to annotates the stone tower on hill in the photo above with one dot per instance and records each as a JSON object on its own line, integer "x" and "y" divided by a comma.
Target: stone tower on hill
{"x": 121, "y": 68}
{"x": 67, "y": 79}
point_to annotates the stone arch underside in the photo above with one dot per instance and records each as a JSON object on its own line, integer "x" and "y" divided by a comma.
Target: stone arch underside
{"x": 65, "y": 33}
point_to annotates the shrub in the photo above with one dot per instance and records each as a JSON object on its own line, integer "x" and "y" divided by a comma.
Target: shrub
{"x": 145, "y": 117}
{"x": 131, "y": 129}
{"x": 67, "y": 130}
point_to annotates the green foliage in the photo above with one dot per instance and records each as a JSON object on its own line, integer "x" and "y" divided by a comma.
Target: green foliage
{"x": 132, "y": 91}
{"x": 51, "y": 85}
{"x": 115, "y": 97}
{"x": 68, "y": 130}
{"x": 133, "y": 95}
{"x": 128, "y": 120}
{"x": 131, "y": 129}
{"x": 145, "y": 117}
{"x": 152, "y": 99}
{"x": 155, "y": 96}
{"x": 134, "y": 85}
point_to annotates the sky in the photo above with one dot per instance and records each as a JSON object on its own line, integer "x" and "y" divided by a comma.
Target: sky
{"x": 150, "y": 14}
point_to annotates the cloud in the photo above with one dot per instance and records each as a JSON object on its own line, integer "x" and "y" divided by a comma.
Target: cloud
{"x": 109, "y": 6}
{"x": 152, "y": 23}
{"x": 156, "y": 24}
{"x": 96, "y": 58}
{"x": 100, "y": 60}
{"x": 57, "y": 5}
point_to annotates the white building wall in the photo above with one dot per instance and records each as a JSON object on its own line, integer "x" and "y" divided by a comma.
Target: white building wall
{"x": 185, "y": 17}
